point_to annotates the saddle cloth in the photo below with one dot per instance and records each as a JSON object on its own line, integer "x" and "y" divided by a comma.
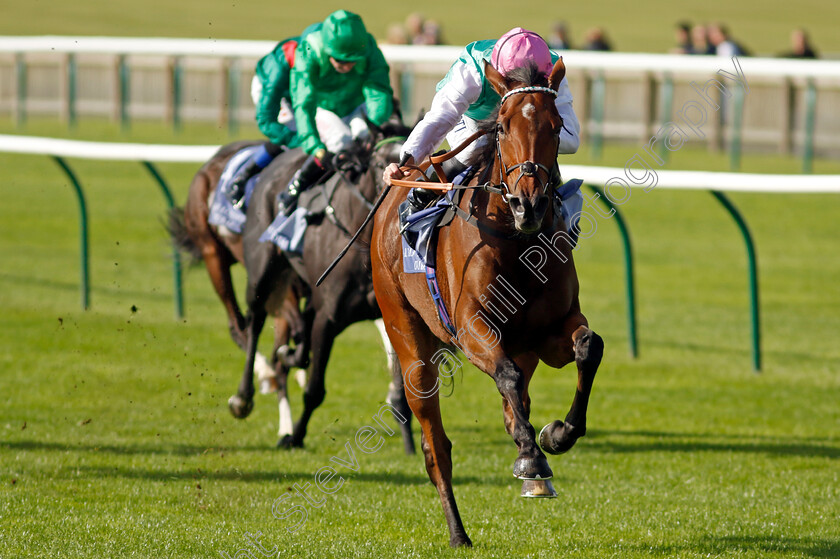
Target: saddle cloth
{"x": 287, "y": 232}
{"x": 222, "y": 212}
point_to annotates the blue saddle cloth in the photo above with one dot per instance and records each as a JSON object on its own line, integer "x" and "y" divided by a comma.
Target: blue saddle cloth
{"x": 288, "y": 232}
{"x": 418, "y": 237}
{"x": 222, "y": 212}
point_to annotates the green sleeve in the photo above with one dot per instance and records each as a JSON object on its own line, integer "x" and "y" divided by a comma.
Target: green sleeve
{"x": 379, "y": 97}
{"x": 275, "y": 87}
{"x": 304, "y": 84}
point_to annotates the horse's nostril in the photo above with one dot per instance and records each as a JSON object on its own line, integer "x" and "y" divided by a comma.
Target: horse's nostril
{"x": 515, "y": 204}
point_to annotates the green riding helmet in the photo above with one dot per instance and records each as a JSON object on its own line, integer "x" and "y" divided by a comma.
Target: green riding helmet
{"x": 345, "y": 36}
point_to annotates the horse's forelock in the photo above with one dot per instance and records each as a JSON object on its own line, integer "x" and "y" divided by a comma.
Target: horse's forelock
{"x": 527, "y": 76}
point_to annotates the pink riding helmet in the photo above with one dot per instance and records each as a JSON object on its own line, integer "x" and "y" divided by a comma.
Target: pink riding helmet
{"x": 519, "y": 47}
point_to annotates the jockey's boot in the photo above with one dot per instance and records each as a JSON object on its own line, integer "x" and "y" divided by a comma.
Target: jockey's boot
{"x": 312, "y": 170}
{"x": 236, "y": 191}
{"x": 417, "y": 199}
{"x": 237, "y": 188}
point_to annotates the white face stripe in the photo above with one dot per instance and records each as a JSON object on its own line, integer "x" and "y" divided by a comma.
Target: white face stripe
{"x": 528, "y": 110}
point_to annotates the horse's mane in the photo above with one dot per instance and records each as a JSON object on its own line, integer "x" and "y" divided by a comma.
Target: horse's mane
{"x": 528, "y": 75}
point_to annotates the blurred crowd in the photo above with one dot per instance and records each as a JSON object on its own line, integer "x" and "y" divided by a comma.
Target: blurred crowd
{"x": 701, "y": 38}
{"x": 714, "y": 38}
{"x": 416, "y": 30}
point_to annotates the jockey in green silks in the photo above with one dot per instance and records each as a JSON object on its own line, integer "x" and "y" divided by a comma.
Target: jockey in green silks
{"x": 270, "y": 92}
{"x": 338, "y": 76}
{"x": 465, "y": 97}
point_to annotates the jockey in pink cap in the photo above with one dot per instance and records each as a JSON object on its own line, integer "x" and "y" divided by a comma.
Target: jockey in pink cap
{"x": 465, "y": 97}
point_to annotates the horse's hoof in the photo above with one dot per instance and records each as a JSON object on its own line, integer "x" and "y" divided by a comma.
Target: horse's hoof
{"x": 240, "y": 407}
{"x": 558, "y": 436}
{"x": 460, "y": 540}
{"x": 538, "y": 488}
{"x": 532, "y": 468}
{"x": 288, "y": 442}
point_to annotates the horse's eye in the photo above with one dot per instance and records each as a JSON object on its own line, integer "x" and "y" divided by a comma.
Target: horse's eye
{"x": 500, "y": 128}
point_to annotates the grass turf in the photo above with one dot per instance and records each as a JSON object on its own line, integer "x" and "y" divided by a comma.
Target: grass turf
{"x": 116, "y": 440}
{"x": 764, "y": 27}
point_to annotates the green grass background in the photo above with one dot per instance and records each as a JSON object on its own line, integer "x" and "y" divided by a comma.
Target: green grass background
{"x": 645, "y": 27}
{"x": 115, "y": 439}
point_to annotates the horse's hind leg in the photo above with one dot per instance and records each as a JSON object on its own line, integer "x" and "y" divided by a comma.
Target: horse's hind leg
{"x": 423, "y": 398}
{"x": 396, "y": 389}
{"x": 218, "y": 261}
{"x": 559, "y": 436}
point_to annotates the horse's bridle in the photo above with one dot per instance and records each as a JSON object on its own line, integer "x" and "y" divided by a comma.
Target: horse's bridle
{"x": 526, "y": 168}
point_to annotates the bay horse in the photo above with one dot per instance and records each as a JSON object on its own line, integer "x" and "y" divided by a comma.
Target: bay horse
{"x": 508, "y": 313}
{"x": 346, "y": 298}
{"x": 220, "y": 249}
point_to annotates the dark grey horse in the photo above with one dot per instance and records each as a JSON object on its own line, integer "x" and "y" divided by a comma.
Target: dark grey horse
{"x": 346, "y": 297}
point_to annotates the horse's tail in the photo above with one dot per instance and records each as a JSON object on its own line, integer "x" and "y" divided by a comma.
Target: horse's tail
{"x": 177, "y": 228}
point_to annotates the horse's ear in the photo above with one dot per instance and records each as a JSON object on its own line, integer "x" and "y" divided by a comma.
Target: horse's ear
{"x": 557, "y": 74}
{"x": 496, "y": 79}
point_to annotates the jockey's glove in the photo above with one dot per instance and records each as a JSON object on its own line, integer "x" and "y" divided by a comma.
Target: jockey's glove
{"x": 324, "y": 159}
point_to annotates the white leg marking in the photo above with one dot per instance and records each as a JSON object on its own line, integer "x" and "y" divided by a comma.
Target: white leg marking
{"x": 389, "y": 349}
{"x": 286, "y": 423}
{"x": 265, "y": 374}
{"x": 300, "y": 377}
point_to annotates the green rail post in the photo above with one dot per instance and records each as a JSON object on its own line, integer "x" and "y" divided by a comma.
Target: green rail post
{"x": 752, "y": 273}
{"x": 406, "y": 89}
{"x": 83, "y": 229}
{"x": 20, "y": 77}
{"x": 737, "y": 122}
{"x": 810, "y": 124}
{"x": 71, "y": 90}
{"x": 177, "y": 89}
{"x": 667, "y": 110}
{"x": 233, "y": 96}
{"x": 597, "y": 103}
{"x": 628, "y": 270}
{"x": 176, "y": 256}
{"x": 125, "y": 91}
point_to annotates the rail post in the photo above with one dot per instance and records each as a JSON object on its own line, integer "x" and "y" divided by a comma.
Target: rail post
{"x": 83, "y": 230}
{"x": 752, "y": 271}
{"x": 176, "y": 256}
{"x": 629, "y": 272}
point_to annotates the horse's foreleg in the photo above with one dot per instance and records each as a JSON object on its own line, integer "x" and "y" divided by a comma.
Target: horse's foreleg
{"x": 242, "y": 402}
{"x": 559, "y": 436}
{"x": 396, "y": 389}
{"x": 279, "y": 379}
{"x": 512, "y": 383}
